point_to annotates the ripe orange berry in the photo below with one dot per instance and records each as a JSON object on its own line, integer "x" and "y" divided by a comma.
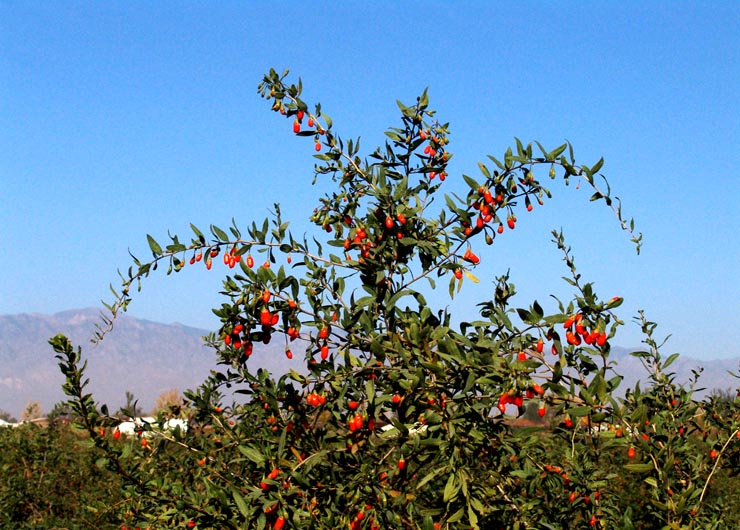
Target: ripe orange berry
{"x": 310, "y": 122}
{"x": 458, "y": 274}
{"x": 631, "y": 452}
{"x": 317, "y": 146}
{"x": 250, "y": 261}
{"x": 116, "y": 434}
{"x": 296, "y": 126}
{"x": 401, "y": 464}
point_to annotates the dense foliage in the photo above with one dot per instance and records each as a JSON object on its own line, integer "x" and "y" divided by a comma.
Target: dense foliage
{"x": 399, "y": 415}
{"x": 49, "y": 480}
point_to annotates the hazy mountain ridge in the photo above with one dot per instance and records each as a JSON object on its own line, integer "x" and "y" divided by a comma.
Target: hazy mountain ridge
{"x": 144, "y": 357}
{"x": 149, "y": 358}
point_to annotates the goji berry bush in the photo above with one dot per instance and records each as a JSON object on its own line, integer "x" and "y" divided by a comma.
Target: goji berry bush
{"x": 398, "y": 414}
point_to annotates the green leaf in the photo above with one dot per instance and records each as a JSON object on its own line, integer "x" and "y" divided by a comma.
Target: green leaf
{"x": 578, "y": 412}
{"x": 252, "y": 454}
{"x": 470, "y": 181}
{"x": 670, "y": 359}
{"x": 451, "y": 488}
{"x": 241, "y": 503}
{"x": 156, "y": 249}
{"x": 220, "y": 234}
{"x": 639, "y": 468}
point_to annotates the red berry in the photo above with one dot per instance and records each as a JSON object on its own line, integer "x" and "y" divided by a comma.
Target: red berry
{"x": 631, "y": 452}
{"x": 296, "y": 126}
{"x": 310, "y": 122}
{"x": 318, "y": 146}
{"x": 401, "y": 464}
{"x": 250, "y": 261}
{"x": 458, "y": 274}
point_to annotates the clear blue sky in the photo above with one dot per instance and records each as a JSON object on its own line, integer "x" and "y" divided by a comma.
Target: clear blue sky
{"x": 119, "y": 119}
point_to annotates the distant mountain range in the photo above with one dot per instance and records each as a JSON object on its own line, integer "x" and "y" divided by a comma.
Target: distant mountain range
{"x": 149, "y": 358}
{"x": 140, "y": 356}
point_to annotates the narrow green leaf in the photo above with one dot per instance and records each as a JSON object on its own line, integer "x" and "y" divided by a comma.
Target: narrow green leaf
{"x": 220, "y": 234}
{"x": 241, "y": 503}
{"x": 156, "y": 249}
{"x": 639, "y": 468}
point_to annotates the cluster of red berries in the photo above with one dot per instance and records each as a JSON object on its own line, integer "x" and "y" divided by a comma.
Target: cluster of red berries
{"x": 356, "y": 523}
{"x": 356, "y": 422}
{"x": 514, "y": 397}
{"x": 435, "y": 152}
{"x": 297, "y": 127}
{"x": 239, "y": 339}
{"x": 470, "y": 257}
{"x": 315, "y": 399}
{"x": 577, "y": 332}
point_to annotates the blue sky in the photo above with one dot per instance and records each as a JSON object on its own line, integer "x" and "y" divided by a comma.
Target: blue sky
{"x": 119, "y": 119}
